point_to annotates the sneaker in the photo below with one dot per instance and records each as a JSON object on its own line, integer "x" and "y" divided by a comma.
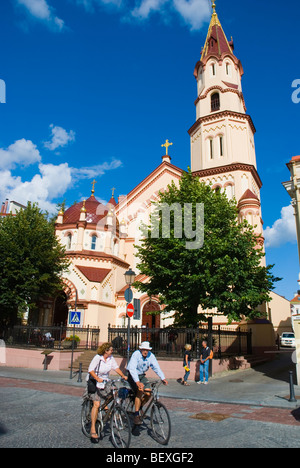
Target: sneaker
{"x": 205, "y": 383}
{"x": 137, "y": 420}
{"x": 199, "y": 382}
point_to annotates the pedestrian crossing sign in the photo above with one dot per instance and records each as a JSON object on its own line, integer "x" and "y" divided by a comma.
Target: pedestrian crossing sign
{"x": 74, "y": 318}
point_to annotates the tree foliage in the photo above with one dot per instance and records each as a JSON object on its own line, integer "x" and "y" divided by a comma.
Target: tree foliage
{"x": 225, "y": 273}
{"x": 31, "y": 262}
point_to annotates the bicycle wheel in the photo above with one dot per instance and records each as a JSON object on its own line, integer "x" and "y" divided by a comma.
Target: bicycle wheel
{"x": 86, "y": 417}
{"x": 120, "y": 428}
{"x": 160, "y": 423}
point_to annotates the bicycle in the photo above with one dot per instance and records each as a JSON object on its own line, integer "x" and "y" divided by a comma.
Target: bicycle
{"x": 160, "y": 421}
{"x": 116, "y": 415}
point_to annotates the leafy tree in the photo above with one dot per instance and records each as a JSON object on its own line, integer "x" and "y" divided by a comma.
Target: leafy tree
{"x": 31, "y": 262}
{"x": 225, "y": 272}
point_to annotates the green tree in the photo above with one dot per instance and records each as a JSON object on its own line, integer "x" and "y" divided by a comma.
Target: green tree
{"x": 224, "y": 273}
{"x": 31, "y": 262}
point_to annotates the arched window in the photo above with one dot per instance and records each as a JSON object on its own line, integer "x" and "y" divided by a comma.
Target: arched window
{"x": 211, "y": 148}
{"x": 215, "y": 102}
{"x": 221, "y": 145}
{"x": 228, "y": 69}
{"x": 93, "y": 242}
{"x": 69, "y": 241}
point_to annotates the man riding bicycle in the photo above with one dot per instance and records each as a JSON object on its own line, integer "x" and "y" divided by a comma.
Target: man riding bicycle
{"x": 139, "y": 364}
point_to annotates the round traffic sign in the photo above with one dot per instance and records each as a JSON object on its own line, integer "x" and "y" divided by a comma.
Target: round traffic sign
{"x": 130, "y": 310}
{"x": 128, "y": 295}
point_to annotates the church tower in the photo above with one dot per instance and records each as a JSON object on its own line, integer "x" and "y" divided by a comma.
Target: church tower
{"x": 222, "y": 138}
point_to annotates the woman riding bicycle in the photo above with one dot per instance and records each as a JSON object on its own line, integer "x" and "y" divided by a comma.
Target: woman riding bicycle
{"x": 99, "y": 369}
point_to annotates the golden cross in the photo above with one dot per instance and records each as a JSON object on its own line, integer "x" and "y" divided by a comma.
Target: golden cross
{"x": 213, "y": 6}
{"x": 93, "y": 184}
{"x": 167, "y": 144}
{"x": 113, "y": 191}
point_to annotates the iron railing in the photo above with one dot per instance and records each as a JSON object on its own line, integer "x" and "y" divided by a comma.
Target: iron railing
{"x": 54, "y": 337}
{"x": 170, "y": 342}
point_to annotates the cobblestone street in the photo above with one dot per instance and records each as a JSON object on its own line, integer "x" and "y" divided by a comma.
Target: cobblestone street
{"x": 43, "y": 415}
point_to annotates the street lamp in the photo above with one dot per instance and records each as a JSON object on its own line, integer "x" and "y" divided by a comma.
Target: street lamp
{"x": 129, "y": 278}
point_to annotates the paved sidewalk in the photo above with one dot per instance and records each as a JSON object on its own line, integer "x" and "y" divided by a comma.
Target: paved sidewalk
{"x": 266, "y": 385}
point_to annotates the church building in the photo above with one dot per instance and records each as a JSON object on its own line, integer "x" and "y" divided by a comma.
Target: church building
{"x": 100, "y": 239}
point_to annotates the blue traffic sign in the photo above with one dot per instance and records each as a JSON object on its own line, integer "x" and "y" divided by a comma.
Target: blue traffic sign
{"x": 74, "y": 318}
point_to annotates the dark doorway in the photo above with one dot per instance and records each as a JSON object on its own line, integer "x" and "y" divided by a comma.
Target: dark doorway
{"x": 61, "y": 310}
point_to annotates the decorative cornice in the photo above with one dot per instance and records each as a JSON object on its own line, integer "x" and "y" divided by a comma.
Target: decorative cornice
{"x": 97, "y": 256}
{"x": 218, "y": 115}
{"x": 230, "y": 168}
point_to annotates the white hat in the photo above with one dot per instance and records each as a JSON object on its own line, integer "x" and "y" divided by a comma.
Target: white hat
{"x": 145, "y": 345}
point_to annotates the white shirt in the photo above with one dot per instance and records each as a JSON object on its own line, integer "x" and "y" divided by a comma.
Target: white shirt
{"x": 104, "y": 369}
{"x": 139, "y": 365}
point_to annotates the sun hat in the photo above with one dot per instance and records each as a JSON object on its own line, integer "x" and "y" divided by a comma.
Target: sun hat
{"x": 145, "y": 345}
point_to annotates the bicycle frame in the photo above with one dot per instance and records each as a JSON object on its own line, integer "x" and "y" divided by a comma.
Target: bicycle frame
{"x": 153, "y": 398}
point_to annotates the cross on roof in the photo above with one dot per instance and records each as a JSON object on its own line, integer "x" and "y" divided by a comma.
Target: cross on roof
{"x": 93, "y": 184}
{"x": 167, "y": 144}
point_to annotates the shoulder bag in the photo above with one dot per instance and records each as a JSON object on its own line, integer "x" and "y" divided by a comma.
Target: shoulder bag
{"x": 92, "y": 383}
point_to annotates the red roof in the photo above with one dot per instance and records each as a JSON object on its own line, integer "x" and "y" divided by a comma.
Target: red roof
{"x": 96, "y": 275}
{"x": 95, "y": 211}
{"x": 249, "y": 195}
{"x": 296, "y": 299}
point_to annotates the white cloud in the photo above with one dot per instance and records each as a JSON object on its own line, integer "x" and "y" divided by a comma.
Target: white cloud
{"x": 22, "y": 152}
{"x": 193, "y": 12}
{"x": 95, "y": 171}
{"x": 41, "y": 11}
{"x": 60, "y": 138}
{"x": 51, "y": 182}
{"x": 146, "y": 7}
{"x": 283, "y": 230}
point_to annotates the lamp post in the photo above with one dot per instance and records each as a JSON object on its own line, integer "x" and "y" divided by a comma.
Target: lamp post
{"x": 129, "y": 278}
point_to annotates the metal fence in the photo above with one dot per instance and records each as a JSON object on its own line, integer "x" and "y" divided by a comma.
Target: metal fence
{"x": 170, "y": 342}
{"x": 55, "y": 337}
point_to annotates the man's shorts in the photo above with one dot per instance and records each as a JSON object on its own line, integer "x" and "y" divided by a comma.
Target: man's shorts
{"x": 142, "y": 378}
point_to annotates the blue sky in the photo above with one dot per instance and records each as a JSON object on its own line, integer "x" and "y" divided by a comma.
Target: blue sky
{"x": 94, "y": 87}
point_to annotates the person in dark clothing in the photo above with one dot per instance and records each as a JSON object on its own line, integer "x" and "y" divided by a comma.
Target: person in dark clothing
{"x": 204, "y": 363}
{"x": 187, "y": 363}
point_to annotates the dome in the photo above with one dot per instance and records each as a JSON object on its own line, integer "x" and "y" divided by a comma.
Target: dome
{"x": 95, "y": 211}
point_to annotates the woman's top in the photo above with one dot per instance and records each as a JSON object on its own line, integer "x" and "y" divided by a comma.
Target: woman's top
{"x": 102, "y": 368}
{"x": 188, "y": 354}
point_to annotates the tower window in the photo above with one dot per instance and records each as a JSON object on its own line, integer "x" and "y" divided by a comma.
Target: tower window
{"x": 69, "y": 241}
{"x": 213, "y": 69}
{"x": 93, "y": 242}
{"x": 211, "y": 148}
{"x": 215, "y": 102}
{"x": 221, "y": 142}
{"x": 228, "y": 69}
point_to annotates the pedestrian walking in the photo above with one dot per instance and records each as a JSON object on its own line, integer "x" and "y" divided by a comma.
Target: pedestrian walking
{"x": 187, "y": 363}
{"x": 206, "y": 355}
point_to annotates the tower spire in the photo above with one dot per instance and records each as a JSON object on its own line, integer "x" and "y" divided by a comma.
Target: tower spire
{"x": 216, "y": 41}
